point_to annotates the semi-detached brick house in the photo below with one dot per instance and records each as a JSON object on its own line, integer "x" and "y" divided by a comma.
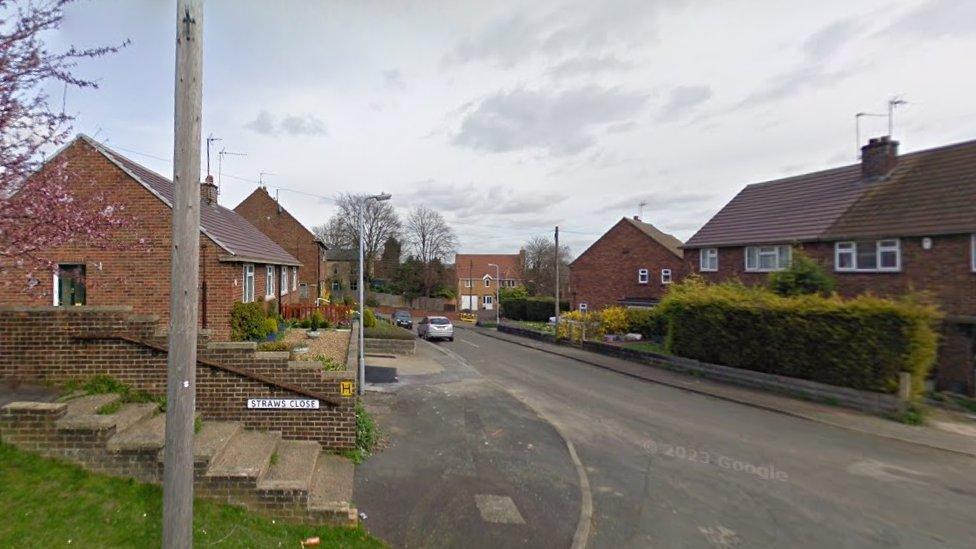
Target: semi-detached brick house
{"x": 272, "y": 219}
{"x": 237, "y": 261}
{"x": 630, "y": 265}
{"x": 479, "y": 280}
{"x": 888, "y": 225}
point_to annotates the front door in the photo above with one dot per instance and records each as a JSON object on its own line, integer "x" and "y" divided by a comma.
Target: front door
{"x": 70, "y": 286}
{"x": 488, "y": 301}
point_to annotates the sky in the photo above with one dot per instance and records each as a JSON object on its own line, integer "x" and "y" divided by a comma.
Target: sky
{"x": 513, "y": 117}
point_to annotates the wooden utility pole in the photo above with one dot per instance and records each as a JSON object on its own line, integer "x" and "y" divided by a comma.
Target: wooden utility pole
{"x": 556, "y": 327}
{"x": 182, "y": 357}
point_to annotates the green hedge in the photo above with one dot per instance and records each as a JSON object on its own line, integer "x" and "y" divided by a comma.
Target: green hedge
{"x": 535, "y": 309}
{"x": 652, "y": 324}
{"x": 247, "y": 322}
{"x": 383, "y": 330}
{"x": 862, "y": 343}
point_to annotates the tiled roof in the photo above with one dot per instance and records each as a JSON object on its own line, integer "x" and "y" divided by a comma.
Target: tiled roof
{"x": 233, "y": 233}
{"x": 477, "y": 265}
{"x": 668, "y": 241}
{"x": 929, "y": 192}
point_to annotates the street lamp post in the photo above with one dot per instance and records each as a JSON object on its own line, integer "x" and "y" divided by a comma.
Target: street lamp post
{"x": 362, "y": 353}
{"x": 498, "y": 284}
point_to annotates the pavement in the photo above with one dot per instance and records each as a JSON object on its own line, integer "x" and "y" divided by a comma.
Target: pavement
{"x": 662, "y": 466}
{"x": 465, "y": 464}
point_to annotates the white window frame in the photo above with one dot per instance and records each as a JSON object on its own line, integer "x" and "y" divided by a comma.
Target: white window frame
{"x": 583, "y": 306}
{"x": 643, "y": 276}
{"x": 705, "y": 258}
{"x": 775, "y": 250}
{"x": 269, "y": 281}
{"x": 284, "y": 280}
{"x": 487, "y": 282}
{"x": 849, "y": 247}
{"x": 467, "y": 282}
{"x": 294, "y": 278}
{"x": 248, "y": 273}
{"x": 487, "y": 299}
{"x": 665, "y": 276}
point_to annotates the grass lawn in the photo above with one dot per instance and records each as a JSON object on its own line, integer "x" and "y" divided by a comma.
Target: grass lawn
{"x": 647, "y": 346}
{"x": 46, "y": 503}
{"x": 543, "y": 327}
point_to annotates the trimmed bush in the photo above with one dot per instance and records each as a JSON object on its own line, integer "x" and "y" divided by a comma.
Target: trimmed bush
{"x": 863, "y": 343}
{"x": 315, "y": 321}
{"x": 369, "y": 318}
{"x": 387, "y": 331}
{"x": 533, "y": 309}
{"x": 805, "y": 276}
{"x": 247, "y": 322}
{"x": 273, "y": 346}
{"x": 269, "y": 326}
{"x": 613, "y": 320}
{"x": 651, "y": 324}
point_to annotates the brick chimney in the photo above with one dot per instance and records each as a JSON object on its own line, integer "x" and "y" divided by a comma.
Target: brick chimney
{"x": 208, "y": 191}
{"x": 878, "y": 158}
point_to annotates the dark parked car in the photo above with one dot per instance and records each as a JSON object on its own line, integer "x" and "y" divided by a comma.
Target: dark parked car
{"x": 403, "y": 319}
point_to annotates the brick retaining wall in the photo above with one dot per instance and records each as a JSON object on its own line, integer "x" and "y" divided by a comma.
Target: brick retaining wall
{"x": 44, "y": 345}
{"x": 390, "y": 346}
{"x": 843, "y": 396}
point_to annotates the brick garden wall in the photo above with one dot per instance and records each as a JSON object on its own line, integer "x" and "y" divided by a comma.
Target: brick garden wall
{"x": 41, "y": 345}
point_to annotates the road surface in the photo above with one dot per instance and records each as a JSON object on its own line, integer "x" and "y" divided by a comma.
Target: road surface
{"x": 669, "y": 468}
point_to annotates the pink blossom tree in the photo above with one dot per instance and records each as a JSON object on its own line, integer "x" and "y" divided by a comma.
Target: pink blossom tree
{"x": 42, "y": 205}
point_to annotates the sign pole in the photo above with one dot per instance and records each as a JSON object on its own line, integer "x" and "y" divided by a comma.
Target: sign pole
{"x": 182, "y": 356}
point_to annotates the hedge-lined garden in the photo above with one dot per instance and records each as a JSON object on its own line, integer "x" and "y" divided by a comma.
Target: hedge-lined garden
{"x": 862, "y": 342}
{"x": 533, "y": 309}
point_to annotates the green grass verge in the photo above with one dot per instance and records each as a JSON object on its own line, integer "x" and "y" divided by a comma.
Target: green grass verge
{"x": 647, "y": 347}
{"x": 543, "y": 327}
{"x": 46, "y": 503}
{"x": 367, "y": 435}
{"x": 382, "y": 330}
{"x": 102, "y": 384}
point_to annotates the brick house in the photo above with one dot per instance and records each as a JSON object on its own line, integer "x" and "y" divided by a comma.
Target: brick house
{"x": 271, "y": 218}
{"x": 342, "y": 273}
{"x": 237, "y": 261}
{"x": 479, "y": 281}
{"x": 888, "y": 225}
{"x": 630, "y": 265}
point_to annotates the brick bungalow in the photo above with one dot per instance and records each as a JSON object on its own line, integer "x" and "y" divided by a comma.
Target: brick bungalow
{"x": 888, "y": 225}
{"x": 630, "y": 265}
{"x": 477, "y": 284}
{"x": 237, "y": 261}
{"x": 268, "y": 215}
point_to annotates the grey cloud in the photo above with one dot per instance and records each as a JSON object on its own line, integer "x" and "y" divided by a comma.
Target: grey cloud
{"x": 263, "y": 124}
{"x": 472, "y": 201}
{"x": 584, "y": 27}
{"x": 393, "y": 80}
{"x": 812, "y": 72}
{"x": 587, "y": 65}
{"x": 935, "y": 19}
{"x": 683, "y": 100}
{"x": 266, "y": 124}
{"x": 622, "y": 127}
{"x": 560, "y": 124}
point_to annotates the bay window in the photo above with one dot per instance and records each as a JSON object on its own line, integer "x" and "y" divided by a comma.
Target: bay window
{"x": 868, "y": 255}
{"x": 768, "y": 258}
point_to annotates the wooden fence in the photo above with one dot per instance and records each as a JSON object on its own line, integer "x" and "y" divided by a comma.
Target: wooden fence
{"x": 333, "y": 313}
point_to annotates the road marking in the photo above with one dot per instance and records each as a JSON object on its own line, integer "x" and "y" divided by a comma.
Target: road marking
{"x": 498, "y": 509}
{"x": 469, "y": 343}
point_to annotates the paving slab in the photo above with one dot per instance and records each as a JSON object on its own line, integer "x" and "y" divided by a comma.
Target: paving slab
{"x": 212, "y": 438}
{"x": 148, "y": 434}
{"x": 293, "y": 466}
{"x": 332, "y": 485}
{"x": 247, "y": 455}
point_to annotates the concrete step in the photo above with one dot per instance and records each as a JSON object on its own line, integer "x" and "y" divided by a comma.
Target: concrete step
{"x": 83, "y": 413}
{"x": 130, "y": 414}
{"x": 148, "y": 434}
{"x": 292, "y": 466}
{"x": 212, "y": 438}
{"x": 332, "y": 484}
{"x": 247, "y": 455}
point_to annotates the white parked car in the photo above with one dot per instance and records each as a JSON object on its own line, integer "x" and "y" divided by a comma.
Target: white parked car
{"x": 435, "y": 327}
